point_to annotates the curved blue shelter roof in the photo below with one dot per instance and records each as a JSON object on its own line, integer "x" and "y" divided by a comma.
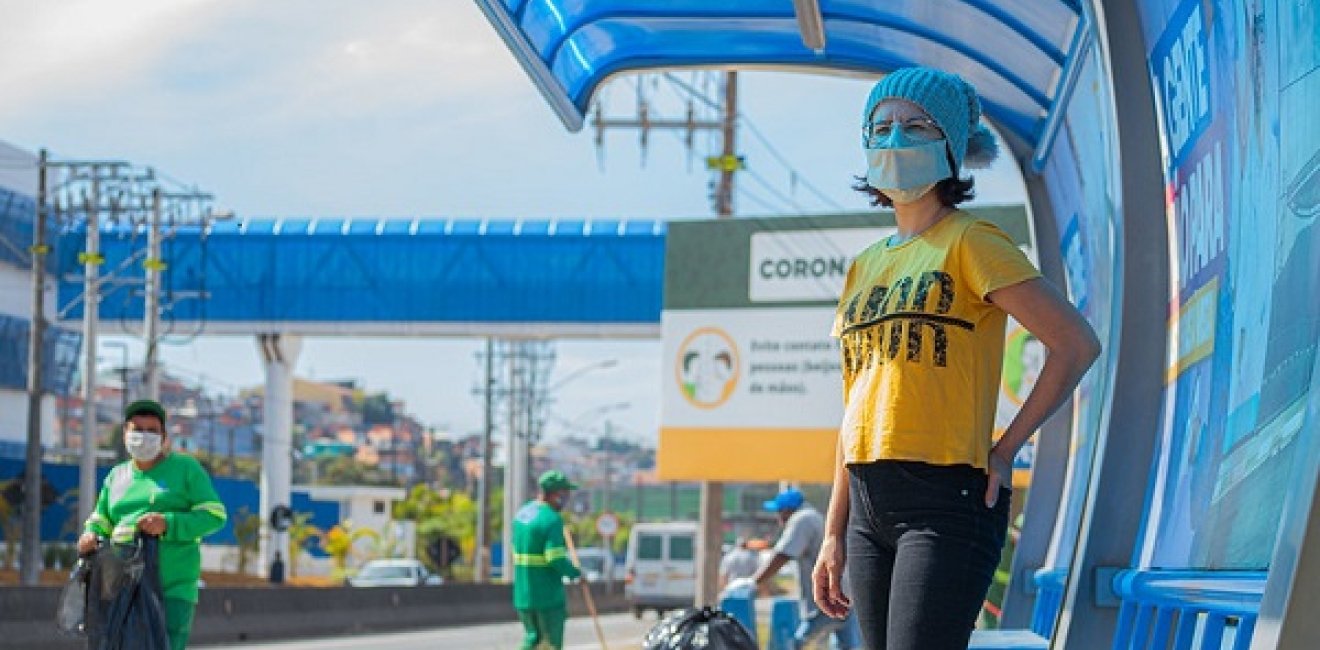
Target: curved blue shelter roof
{"x": 1015, "y": 52}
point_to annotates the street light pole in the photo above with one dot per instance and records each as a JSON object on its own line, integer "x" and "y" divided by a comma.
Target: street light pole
{"x": 482, "y": 568}
{"x": 121, "y": 454}
{"x": 91, "y": 307}
{"x": 151, "y": 304}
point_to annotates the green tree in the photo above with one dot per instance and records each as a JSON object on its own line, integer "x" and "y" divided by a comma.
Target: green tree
{"x": 584, "y": 530}
{"x": 247, "y": 533}
{"x": 11, "y": 510}
{"x": 346, "y": 470}
{"x": 447, "y": 513}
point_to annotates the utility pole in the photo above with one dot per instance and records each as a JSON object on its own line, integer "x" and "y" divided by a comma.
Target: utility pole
{"x": 711, "y": 535}
{"x": 726, "y": 164}
{"x": 482, "y": 568}
{"x": 153, "y": 266}
{"x": 30, "y": 559}
{"x": 728, "y": 160}
{"x": 511, "y": 468}
{"x": 91, "y": 259}
{"x": 607, "y": 447}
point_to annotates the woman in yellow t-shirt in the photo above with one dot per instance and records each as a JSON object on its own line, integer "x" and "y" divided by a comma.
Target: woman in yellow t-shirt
{"x": 920, "y": 505}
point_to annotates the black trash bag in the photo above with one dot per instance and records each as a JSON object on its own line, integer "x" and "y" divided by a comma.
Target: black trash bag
{"x": 124, "y": 605}
{"x": 71, "y": 614}
{"x": 697, "y": 629}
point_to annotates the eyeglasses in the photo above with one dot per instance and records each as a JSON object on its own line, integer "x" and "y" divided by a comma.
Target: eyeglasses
{"x": 918, "y": 128}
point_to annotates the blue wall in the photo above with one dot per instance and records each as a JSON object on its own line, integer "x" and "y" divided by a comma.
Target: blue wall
{"x": 58, "y": 520}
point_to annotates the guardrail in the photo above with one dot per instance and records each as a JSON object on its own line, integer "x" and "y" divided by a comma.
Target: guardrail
{"x": 227, "y": 615}
{"x": 1182, "y": 610}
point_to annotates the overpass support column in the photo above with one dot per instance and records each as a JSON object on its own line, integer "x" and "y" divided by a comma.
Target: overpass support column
{"x": 279, "y": 355}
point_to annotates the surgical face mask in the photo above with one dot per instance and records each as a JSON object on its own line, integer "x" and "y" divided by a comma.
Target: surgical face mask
{"x": 903, "y": 164}
{"x": 909, "y": 195}
{"x": 142, "y": 445}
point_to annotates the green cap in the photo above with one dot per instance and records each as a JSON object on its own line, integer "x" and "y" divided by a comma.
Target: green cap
{"x": 145, "y": 407}
{"x": 554, "y": 481}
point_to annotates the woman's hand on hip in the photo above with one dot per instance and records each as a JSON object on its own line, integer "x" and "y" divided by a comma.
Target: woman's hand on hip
{"x": 827, "y": 578}
{"x": 1000, "y": 472}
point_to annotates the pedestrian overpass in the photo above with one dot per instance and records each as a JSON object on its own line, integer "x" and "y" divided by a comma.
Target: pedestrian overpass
{"x": 1172, "y": 163}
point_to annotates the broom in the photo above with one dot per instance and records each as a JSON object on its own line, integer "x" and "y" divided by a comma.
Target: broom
{"x": 586, "y": 590}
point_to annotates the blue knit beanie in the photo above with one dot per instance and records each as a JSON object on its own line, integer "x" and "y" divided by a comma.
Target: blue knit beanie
{"x": 950, "y": 101}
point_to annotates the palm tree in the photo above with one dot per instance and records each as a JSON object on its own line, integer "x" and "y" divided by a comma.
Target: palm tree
{"x": 340, "y": 540}
{"x": 301, "y": 532}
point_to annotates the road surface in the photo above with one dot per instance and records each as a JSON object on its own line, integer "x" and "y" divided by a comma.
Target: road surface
{"x": 622, "y": 632}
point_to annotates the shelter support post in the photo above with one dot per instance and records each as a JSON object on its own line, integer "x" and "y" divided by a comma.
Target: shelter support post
{"x": 1049, "y": 467}
{"x": 1130, "y": 428}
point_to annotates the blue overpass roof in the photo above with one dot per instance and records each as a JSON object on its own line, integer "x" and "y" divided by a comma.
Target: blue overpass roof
{"x": 387, "y": 277}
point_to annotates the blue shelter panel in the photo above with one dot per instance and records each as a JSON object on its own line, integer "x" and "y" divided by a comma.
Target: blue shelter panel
{"x": 1082, "y": 183}
{"x": 1236, "y": 92}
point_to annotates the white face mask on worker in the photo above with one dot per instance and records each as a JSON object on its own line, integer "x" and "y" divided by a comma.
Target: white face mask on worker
{"x": 142, "y": 445}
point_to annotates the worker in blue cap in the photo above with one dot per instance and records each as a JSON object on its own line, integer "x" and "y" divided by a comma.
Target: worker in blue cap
{"x": 804, "y": 529}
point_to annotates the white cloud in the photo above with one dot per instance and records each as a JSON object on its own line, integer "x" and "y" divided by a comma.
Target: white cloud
{"x": 56, "y": 51}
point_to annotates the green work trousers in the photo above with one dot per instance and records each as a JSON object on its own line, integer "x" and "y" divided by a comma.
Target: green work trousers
{"x": 544, "y": 628}
{"x": 178, "y": 621}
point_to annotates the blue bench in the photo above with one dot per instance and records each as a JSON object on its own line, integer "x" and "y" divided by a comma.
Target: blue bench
{"x": 1007, "y": 640}
{"x": 1049, "y": 598}
{"x": 1187, "y": 610}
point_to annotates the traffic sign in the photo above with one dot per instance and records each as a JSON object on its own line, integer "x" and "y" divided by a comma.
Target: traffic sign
{"x": 281, "y": 517}
{"x": 607, "y": 524}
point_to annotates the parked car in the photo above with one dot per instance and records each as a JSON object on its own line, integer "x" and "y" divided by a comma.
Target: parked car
{"x": 596, "y": 565}
{"x": 394, "y": 573}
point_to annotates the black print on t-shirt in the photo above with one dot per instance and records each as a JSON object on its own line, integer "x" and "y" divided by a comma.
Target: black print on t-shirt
{"x": 875, "y": 321}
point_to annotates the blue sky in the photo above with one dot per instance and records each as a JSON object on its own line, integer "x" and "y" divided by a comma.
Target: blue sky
{"x": 400, "y": 109}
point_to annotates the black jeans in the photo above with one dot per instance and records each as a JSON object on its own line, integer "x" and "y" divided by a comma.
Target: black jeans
{"x": 922, "y": 551}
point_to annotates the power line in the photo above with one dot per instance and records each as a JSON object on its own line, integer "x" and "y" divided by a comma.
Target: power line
{"x": 758, "y": 200}
{"x": 800, "y": 178}
{"x": 777, "y": 194}
{"x": 759, "y": 135}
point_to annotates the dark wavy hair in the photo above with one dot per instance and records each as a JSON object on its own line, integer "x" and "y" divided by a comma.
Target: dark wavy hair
{"x": 952, "y": 191}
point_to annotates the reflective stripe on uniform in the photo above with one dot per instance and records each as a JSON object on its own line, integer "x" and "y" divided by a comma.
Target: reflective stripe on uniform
{"x": 98, "y": 522}
{"x": 552, "y": 554}
{"x": 528, "y": 559}
{"x": 214, "y": 508}
{"x": 124, "y": 532}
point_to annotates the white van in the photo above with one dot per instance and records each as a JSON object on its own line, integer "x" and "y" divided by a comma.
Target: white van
{"x": 662, "y": 566}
